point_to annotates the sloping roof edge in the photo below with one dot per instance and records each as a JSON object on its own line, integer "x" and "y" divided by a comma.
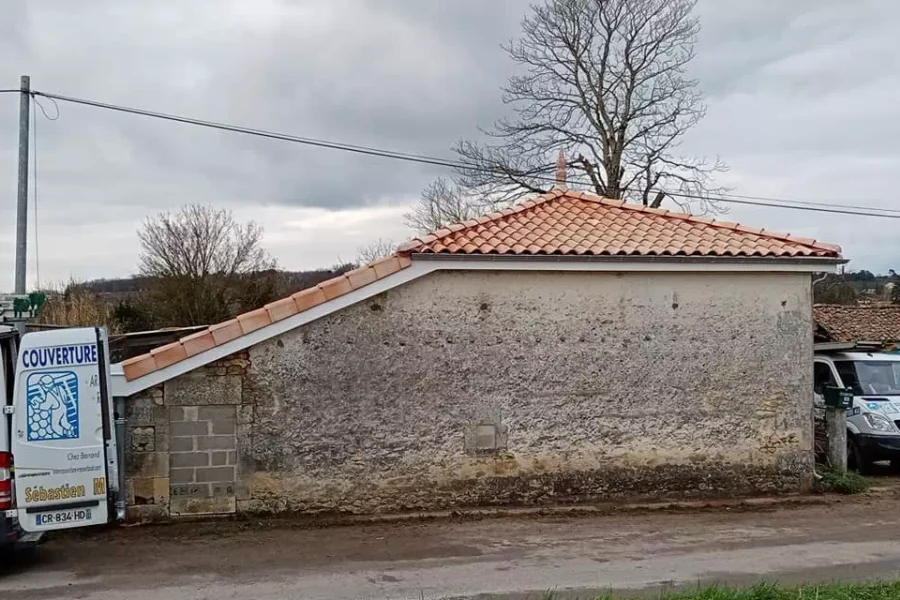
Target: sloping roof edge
{"x": 218, "y": 341}
{"x": 246, "y": 323}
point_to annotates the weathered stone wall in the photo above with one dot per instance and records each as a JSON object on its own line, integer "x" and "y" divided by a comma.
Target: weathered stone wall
{"x": 465, "y": 389}
{"x": 182, "y": 443}
{"x": 146, "y": 455}
{"x": 479, "y": 388}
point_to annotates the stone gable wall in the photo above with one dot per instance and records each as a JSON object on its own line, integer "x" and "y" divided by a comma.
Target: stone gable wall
{"x": 477, "y": 388}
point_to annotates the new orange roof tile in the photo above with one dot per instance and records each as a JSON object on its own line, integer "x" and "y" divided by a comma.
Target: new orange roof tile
{"x": 253, "y": 320}
{"x": 309, "y": 298}
{"x": 139, "y": 366}
{"x": 386, "y": 266}
{"x": 564, "y": 222}
{"x": 168, "y": 354}
{"x": 198, "y": 342}
{"x": 281, "y": 309}
{"x": 225, "y": 332}
{"x": 362, "y": 277}
{"x": 336, "y": 287}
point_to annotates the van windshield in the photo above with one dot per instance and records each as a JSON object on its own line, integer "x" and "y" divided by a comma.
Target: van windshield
{"x": 870, "y": 377}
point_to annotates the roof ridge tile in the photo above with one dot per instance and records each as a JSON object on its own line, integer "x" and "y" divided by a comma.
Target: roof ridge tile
{"x": 198, "y": 342}
{"x": 281, "y": 309}
{"x": 336, "y": 286}
{"x": 309, "y": 298}
{"x": 361, "y": 277}
{"x": 169, "y": 354}
{"x": 226, "y": 331}
{"x": 252, "y": 320}
{"x": 139, "y": 366}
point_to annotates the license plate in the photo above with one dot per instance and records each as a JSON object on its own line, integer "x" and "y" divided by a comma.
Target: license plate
{"x": 59, "y": 517}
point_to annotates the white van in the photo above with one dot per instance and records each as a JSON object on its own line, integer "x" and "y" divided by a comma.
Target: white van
{"x": 59, "y": 456}
{"x": 873, "y": 419}
{"x": 11, "y": 534}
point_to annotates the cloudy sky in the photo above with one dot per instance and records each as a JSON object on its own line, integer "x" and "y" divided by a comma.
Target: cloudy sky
{"x": 802, "y": 96}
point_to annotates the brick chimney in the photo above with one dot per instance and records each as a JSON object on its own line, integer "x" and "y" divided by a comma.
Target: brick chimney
{"x": 561, "y": 170}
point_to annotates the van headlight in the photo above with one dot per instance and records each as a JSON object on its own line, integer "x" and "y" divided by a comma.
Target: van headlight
{"x": 878, "y": 423}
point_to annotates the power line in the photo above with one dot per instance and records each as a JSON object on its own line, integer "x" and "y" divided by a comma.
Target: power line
{"x": 817, "y": 208}
{"x": 807, "y": 202}
{"x": 762, "y": 201}
{"x": 420, "y": 158}
{"x": 41, "y": 106}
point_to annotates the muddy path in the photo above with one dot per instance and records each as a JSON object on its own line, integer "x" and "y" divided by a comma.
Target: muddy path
{"x": 499, "y": 557}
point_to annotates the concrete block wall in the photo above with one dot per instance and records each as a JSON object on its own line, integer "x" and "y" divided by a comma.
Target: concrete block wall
{"x": 182, "y": 445}
{"x": 202, "y": 458}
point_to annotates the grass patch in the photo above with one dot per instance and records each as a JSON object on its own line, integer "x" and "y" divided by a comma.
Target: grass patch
{"x": 861, "y": 591}
{"x": 837, "y": 591}
{"x": 848, "y": 483}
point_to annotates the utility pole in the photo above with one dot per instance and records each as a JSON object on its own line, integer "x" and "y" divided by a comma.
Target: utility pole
{"x": 22, "y": 205}
{"x": 836, "y": 433}
{"x": 837, "y": 401}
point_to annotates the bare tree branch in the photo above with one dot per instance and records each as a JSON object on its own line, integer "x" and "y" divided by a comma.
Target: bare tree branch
{"x": 443, "y": 203}
{"x": 606, "y": 81}
{"x": 204, "y": 266}
{"x": 369, "y": 253}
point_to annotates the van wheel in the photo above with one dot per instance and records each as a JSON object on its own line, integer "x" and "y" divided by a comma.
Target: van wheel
{"x": 855, "y": 459}
{"x": 852, "y": 455}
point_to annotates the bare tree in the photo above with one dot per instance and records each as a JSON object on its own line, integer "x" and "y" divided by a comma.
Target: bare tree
{"x": 444, "y": 202}
{"x": 371, "y": 252}
{"x": 606, "y": 82}
{"x": 203, "y": 266}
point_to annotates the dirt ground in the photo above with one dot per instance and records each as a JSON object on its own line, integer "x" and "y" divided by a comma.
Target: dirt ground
{"x": 510, "y": 557}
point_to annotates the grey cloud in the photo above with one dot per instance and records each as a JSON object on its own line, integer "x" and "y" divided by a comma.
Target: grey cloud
{"x": 790, "y": 85}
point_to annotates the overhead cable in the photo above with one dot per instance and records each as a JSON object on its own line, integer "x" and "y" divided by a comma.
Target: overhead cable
{"x": 845, "y": 209}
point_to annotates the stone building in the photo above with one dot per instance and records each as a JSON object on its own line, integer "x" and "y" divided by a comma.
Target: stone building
{"x": 568, "y": 349}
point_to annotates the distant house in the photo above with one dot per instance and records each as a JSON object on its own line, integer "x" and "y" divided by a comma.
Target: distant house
{"x": 858, "y": 323}
{"x": 568, "y": 349}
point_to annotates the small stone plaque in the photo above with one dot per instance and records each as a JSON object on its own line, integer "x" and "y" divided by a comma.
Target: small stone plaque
{"x": 190, "y": 490}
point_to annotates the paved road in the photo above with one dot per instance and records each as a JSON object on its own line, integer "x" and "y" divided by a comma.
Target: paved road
{"x": 507, "y": 558}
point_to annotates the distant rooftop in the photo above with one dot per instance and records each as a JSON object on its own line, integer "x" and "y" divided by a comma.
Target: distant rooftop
{"x": 856, "y": 323}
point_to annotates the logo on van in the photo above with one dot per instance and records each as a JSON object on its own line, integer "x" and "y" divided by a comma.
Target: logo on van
{"x": 52, "y": 410}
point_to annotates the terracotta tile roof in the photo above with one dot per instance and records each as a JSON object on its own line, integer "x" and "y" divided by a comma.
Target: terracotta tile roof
{"x": 559, "y": 222}
{"x": 564, "y": 222}
{"x": 222, "y": 333}
{"x": 852, "y": 323}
